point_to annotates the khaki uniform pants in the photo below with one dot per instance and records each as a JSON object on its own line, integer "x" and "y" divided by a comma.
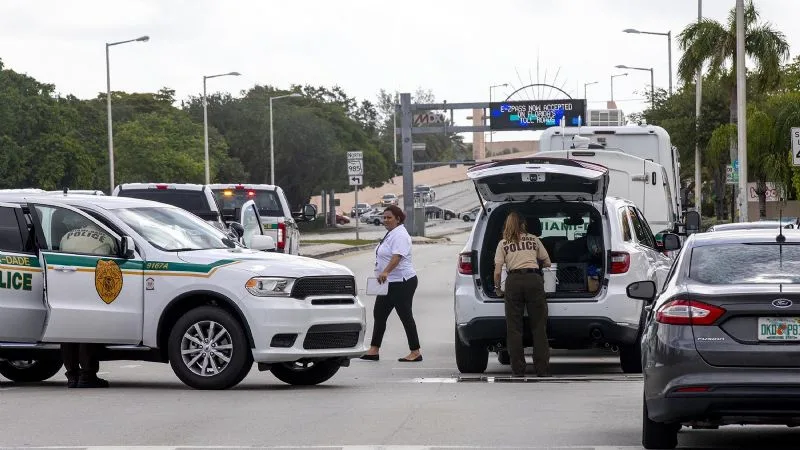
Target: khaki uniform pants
{"x": 526, "y": 290}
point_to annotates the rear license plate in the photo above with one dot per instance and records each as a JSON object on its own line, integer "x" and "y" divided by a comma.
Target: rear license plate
{"x": 533, "y": 177}
{"x": 779, "y": 328}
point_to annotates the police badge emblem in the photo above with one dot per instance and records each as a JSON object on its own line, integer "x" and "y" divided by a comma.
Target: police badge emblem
{"x": 107, "y": 280}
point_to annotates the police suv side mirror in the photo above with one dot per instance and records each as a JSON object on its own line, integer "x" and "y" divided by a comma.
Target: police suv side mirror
{"x": 237, "y": 228}
{"x": 642, "y": 290}
{"x": 671, "y": 242}
{"x": 263, "y": 243}
{"x": 308, "y": 214}
{"x": 127, "y": 247}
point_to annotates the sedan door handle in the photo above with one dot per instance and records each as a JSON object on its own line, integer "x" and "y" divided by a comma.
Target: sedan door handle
{"x": 65, "y": 268}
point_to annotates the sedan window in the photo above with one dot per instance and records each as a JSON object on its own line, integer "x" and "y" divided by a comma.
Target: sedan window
{"x": 746, "y": 264}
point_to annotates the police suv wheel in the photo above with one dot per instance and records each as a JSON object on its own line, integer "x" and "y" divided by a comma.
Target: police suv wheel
{"x": 471, "y": 359}
{"x": 208, "y": 349}
{"x": 305, "y": 373}
{"x": 32, "y": 370}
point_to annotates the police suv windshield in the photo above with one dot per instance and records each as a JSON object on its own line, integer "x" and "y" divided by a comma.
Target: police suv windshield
{"x": 173, "y": 229}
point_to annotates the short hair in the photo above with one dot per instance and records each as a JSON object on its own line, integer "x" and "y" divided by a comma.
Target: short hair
{"x": 396, "y": 212}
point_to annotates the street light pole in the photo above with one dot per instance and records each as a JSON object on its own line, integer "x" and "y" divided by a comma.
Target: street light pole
{"x": 108, "y": 108}
{"x": 612, "y": 82}
{"x": 584, "y": 88}
{"x": 741, "y": 110}
{"x": 491, "y": 135}
{"x": 205, "y": 121}
{"x": 652, "y": 82}
{"x": 668, "y": 34}
{"x": 698, "y": 99}
{"x": 272, "y": 137}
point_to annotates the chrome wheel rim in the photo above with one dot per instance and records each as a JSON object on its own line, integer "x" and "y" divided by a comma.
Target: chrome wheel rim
{"x": 206, "y": 348}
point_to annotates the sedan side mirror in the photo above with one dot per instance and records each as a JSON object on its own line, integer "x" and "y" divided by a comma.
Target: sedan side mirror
{"x": 642, "y": 290}
{"x": 262, "y": 242}
{"x": 127, "y": 247}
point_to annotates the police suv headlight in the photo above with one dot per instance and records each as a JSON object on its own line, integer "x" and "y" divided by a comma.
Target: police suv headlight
{"x": 270, "y": 286}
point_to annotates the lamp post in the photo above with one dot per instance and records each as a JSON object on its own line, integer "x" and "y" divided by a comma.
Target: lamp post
{"x": 652, "y": 88}
{"x": 698, "y": 100}
{"x": 108, "y": 107}
{"x": 741, "y": 110}
{"x": 584, "y": 88}
{"x": 491, "y": 135}
{"x": 205, "y": 118}
{"x": 668, "y": 34}
{"x": 612, "y": 82}
{"x": 272, "y": 137}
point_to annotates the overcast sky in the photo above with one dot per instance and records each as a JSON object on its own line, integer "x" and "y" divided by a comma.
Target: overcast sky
{"x": 457, "y": 48}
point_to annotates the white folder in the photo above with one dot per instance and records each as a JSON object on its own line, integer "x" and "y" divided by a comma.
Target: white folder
{"x": 375, "y": 288}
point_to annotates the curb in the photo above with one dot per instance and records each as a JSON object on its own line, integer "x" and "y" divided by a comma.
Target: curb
{"x": 358, "y": 248}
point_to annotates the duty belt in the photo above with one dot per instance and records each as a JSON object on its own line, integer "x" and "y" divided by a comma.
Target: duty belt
{"x": 539, "y": 271}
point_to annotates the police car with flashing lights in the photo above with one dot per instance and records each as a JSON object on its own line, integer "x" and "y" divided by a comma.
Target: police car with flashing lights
{"x": 170, "y": 288}
{"x": 276, "y": 216}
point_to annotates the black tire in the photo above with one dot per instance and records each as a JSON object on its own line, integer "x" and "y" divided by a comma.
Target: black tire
{"x": 466, "y": 219}
{"x": 503, "y": 357}
{"x": 309, "y": 374}
{"x": 630, "y": 358}
{"x": 32, "y": 371}
{"x": 656, "y": 435}
{"x": 377, "y": 222}
{"x": 241, "y": 359}
{"x": 448, "y": 216}
{"x": 471, "y": 359}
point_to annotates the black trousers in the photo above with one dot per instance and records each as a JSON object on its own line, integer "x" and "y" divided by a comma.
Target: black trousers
{"x": 399, "y": 297}
{"x": 80, "y": 359}
{"x": 526, "y": 291}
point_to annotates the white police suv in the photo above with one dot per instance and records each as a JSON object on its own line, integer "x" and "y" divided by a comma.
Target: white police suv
{"x": 154, "y": 282}
{"x": 598, "y": 246}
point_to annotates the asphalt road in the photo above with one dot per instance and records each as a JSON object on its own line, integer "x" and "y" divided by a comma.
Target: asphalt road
{"x": 588, "y": 404}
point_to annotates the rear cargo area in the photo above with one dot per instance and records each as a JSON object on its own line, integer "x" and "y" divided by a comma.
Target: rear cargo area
{"x": 572, "y": 234}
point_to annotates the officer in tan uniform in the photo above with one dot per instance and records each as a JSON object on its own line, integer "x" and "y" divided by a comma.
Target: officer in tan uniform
{"x": 524, "y": 256}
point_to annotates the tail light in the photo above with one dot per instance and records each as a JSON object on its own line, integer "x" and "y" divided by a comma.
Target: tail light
{"x": 465, "y": 263}
{"x": 620, "y": 262}
{"x": 688, "y": 312}
{"x": 161, "y": 186}
{"x": 693, "y": 389}
{"x": 238, "y": 187}
{"x": 251, "y": 193}
{"x": 282, "y": 235}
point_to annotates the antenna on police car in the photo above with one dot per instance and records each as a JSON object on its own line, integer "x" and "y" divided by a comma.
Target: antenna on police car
{"x": 780, "y": 238}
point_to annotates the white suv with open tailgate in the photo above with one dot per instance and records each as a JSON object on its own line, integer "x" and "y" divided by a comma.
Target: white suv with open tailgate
{"x": 598, "y": 246}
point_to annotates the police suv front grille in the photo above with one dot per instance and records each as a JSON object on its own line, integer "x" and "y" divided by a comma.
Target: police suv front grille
{"x": 331, "y": 336}
{"x": 333, "y": 301}
{"x": 308, "y": 286}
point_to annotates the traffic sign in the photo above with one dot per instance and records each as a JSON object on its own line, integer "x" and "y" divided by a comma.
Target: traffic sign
{"x": 735, "y": 164}
{"x": 355, "y": 155}
{"x": 355, "y": 167}
{"x": 731, "y": 175}
{"x": 356, "y": 180}
{"x": 796, "y": 146}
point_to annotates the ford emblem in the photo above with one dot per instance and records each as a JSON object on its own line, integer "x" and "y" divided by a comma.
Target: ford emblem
{"x": 781, "y": 303}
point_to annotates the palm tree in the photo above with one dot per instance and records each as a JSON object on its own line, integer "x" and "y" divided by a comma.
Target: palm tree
{"x": 711, "y": 43}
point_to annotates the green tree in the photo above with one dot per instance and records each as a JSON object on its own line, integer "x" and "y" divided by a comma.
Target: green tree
{"x": 712, "y": 43}
{"x": 716, "y": 155}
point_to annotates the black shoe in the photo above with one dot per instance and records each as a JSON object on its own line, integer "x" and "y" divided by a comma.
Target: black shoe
{"x": 371, "y": 357}
{"x": 72, "y": 382}
{"x": 93, "y": 382}
{"x": 544, "y": 375}
{"x": 417, "y": 359}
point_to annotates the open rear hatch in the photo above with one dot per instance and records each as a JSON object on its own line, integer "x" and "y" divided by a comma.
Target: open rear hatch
{"x": 539, "y": 178}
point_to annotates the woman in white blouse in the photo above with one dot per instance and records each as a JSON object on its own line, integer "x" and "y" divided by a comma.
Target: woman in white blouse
{"x": 393, "y": 265}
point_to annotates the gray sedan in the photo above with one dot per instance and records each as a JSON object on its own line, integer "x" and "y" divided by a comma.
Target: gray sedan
{"x": 722, "y": 340}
